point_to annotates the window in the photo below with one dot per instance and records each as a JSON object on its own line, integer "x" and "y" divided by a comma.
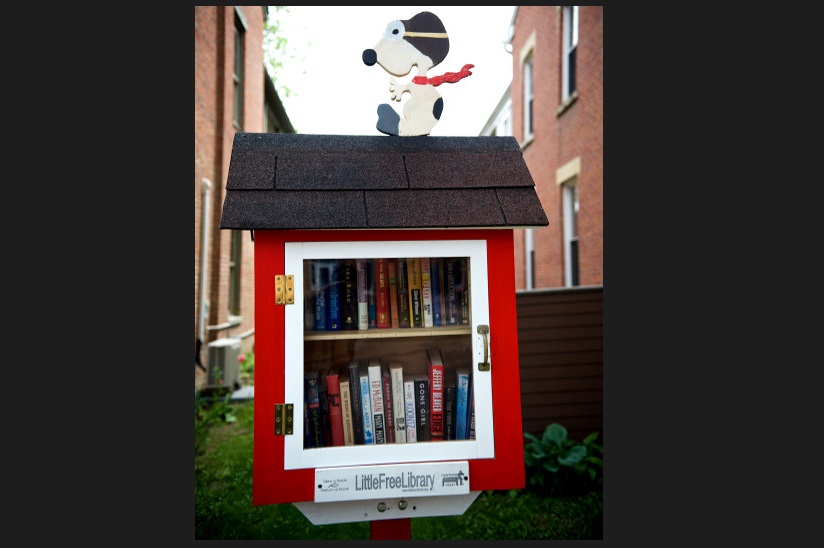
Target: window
{"x": 234, "y": 273}
{"x": 528, "y": 97}
{"x": 569, "y": 48}
{"x": 529, "y": 252}
{"x": 570, "y": 199}
{"x": 237, "y": 76}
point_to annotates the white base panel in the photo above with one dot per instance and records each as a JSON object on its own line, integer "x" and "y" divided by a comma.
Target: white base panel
{"x": 324, "y": 513}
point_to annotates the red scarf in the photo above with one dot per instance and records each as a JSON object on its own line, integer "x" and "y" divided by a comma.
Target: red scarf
{"x": 449, "y": 77}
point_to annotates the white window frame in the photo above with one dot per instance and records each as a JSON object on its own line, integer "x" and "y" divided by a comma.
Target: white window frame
{"x": 570, "y": 44}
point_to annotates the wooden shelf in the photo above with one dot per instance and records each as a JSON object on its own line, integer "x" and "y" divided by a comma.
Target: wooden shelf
{"x": 387, "y": 333}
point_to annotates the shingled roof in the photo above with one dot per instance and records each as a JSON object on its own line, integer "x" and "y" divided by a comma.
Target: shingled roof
{"x": 299, "y": 181}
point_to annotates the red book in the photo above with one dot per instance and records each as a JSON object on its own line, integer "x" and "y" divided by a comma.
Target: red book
{"x": 393, "y": 294}
{"x": 382, "y": 294}
{"x": 335, "y": 411}
{"x": 435, "y": 372}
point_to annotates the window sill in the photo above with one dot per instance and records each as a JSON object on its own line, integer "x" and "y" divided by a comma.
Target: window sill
{"x": 527, "y": 141}
{"x": 566, "y": 104}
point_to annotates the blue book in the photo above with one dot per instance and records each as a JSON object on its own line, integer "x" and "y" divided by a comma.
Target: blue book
{"x": 461, "y": 403}
{"x": 435, "y": 279}
{"x": 366, "y": 406}
{"x": 333, "y": 299}
{"x": 320, "y": 279}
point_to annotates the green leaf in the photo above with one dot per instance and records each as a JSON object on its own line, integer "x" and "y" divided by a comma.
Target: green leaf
{"x": 556, "y": 434}
{"x": 591, "y": 438}
{"x": 574, "y": 455}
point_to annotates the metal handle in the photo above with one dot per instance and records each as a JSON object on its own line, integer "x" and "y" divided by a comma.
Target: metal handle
{"x": 484, "y": 365}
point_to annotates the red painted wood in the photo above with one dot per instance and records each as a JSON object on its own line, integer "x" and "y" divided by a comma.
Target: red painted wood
{"x": 274, "y": 485}
{"x": 391, "y": 529}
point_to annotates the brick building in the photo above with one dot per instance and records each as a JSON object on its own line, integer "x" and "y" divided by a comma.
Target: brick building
{"x": 233, "y": 92}
{"x": 556, "y": 97}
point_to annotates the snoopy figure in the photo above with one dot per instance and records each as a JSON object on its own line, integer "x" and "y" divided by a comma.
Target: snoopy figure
{"x": 417, "y": 42}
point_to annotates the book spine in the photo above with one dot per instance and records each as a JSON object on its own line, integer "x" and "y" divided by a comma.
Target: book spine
{"x": 442, "y": 284}
{"x": 349, "y": 297}
{"x": 324, "y": 411}
{"x": 366, "y": 408}
{"x": 371, "y": 299}
{"x": 410, "y": 406}
{"x": 435, "y": 372}
{"x": 449, "y": 413}
{"x": 317, "y": 437}
{"x": 335, "y": 407}
{"x": 413, "y": 271}
{"x": 309, "y": 297}
{"x": 435, "y": 277}
{"x": 321, "y": 280}
{"x": 461, "y": 400}
{"x": 426, "y": 292}
{"x": 382, "y": 296}
{"x": 356, "y": 401}
{"x": 398, "y": 402}
{"x": 463, "y": 312}
{"x": 363, "y": 302}
{"x": 451, "y": 299}
{"x": 333, "y": 318}
{"x": 470, "y": 403}
{"x": 404, "y": 316}
{"x": 388, "y": 409}
{"x": 346, "y": 411}
{"x": 422, "y": 408}
{"x": 393, "y": 293}
{"x": 376, "y": 394}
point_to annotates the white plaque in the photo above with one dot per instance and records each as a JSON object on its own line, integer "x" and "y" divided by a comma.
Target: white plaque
{"x": 397, "y": 480}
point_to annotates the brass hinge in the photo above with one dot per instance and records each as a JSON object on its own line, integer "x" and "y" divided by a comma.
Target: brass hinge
{"x": 283, "y": 419}
{"x": 285, "y": 289}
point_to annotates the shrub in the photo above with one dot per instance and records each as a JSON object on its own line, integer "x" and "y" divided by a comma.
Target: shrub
{"x": 559, "y": 466}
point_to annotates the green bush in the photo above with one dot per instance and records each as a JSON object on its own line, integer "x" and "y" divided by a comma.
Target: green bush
{"x": 559, "y": 466}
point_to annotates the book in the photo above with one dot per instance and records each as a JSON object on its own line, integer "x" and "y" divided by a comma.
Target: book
{"x": 426, "y": 292}
{"x": 422, "y": 408}
{"x": 449, "y": 412}
{"x": 335, "y": 406}
{"x": 356, "y": 401}
{"x": 463, "y": 301}
{"x": 435, "y": 373}
{"x": 413, "y": 275}
{"x": 363, "y": 303}
{"x": 388, "y": 409}
{"x": 320, "y": 280}
{"x": 366, "y": 405}
{"x": 346, "y": 409}
{"x": 371, "y": 282}
{"x": 393, "y": 293}
{"x": 324, "y": 411}
{"x": 333, "y": 321}
{"x": 382, "y": 294}
{"x": 309, "y": 297}
{"x": 349, "y": 295}
{"x": 450, "y": 298}
{"x": 376, "y": 394}
{"x": 311, "y": 393}
{"x": 462, "y": 381}
{"x": 471, "y": 403}
{"x": 402, "y": 281}
{"x": 398, "y": 402}
{"x": 409, "y": 401}
{"x": 436, "y": 277}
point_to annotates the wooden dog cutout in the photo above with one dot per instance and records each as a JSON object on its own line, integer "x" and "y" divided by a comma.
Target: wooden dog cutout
{"x": 420, "y": 42}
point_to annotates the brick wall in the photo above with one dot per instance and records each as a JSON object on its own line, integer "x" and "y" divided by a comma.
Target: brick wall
{"x": 577, "y": 132}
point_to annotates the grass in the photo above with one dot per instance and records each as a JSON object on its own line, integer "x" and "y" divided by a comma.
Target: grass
{"x": 223, "y": 499}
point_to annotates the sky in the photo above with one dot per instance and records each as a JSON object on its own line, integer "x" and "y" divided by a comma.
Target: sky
{"x": 332, "y": 91}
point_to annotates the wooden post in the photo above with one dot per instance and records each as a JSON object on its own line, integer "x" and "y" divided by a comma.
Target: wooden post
{"x": 391, "y": 529}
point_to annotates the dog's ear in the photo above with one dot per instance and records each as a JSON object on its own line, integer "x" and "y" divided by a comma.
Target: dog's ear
{"x": 435, "y": 48}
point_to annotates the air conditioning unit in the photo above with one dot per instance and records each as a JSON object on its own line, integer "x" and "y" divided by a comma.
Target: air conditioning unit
{"x": 223, "y": 368}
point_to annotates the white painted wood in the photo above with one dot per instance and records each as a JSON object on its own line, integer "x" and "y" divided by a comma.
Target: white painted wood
{"x": 324, "y": 513}
{"x": 483, "y": 447}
